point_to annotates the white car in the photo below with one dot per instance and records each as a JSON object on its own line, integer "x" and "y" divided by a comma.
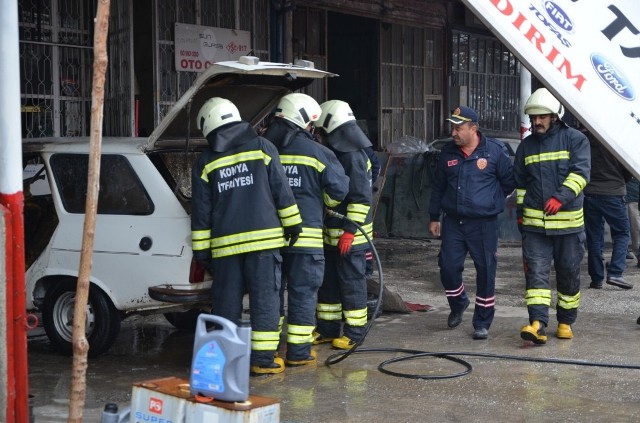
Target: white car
{"x": 142, "y": 261}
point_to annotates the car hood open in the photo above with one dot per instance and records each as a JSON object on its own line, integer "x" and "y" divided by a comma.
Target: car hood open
{"x": 254, "y": 87}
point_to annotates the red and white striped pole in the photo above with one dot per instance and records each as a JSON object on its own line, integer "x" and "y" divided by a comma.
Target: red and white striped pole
{"x": 11, "y": 204}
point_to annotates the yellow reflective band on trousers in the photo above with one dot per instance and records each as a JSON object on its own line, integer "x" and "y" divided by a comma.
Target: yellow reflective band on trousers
{"x": 358, "y": 212}
{"x": 290, "y": 216}
{"x": 201, "y": 240}
{"x": 226, "y": 161}
{"x": 520, "y": 193}
{"x": 355, "y": 317}
{"x": 299, "y": 334}
{"x": 332, "y": 235}
{"x": 547, "y": 157}
{"x": 568, "y": 302}
{"x": 328, "y": 201}
{"x": 538, "y": 297}
{"x": 264, "y": 341}
{"x": 575, "y": 183}
{"x": 280, "y": 324}
{"x": 302, "y": 160}
{"x": 310, "y": 237}
{"x": 560, "y": 220}
{"x": 329, "y": 311}
{"x": 247, "y": 242}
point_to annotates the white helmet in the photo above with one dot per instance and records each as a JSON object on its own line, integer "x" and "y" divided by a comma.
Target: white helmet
{"x": 542, "y": 102}
{"x": 334, "y": 114}
{"x": 299, "y": 109}
{"x": 216, "y": 112}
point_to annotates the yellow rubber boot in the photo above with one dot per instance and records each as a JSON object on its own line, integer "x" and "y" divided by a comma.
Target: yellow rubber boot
{"x": 319, "y": 339}
{"x": 276, "y": 367}
{"x": 311, "y": 359}
{"x": 534, "y": 333}
{"x": 564, "y": 331}
{"x": 343, "y": 343}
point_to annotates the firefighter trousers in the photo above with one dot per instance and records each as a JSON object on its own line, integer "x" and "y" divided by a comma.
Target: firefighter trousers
{"x": 343, "y": 294}
{"x": 259, "y": 273}
{"x": 478, "y": 238}
{"x": 565, "y": 252}
{"x": 302, "y": 277}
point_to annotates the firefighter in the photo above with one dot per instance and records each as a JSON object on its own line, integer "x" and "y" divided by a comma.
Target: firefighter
{"x": 473, "y": 176}
{"x": 317, "y": 179}
{"x": 344, "y": 289}
{"x": 243, "y": 212}
{"x": 551, "y": 168}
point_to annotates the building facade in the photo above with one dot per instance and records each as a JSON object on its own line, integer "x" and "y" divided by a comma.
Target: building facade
{"x": 402, "y": 64}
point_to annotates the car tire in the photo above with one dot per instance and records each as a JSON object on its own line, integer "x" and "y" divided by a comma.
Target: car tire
{"x": 184, "y": 321}
{"x": 102, "y": 324}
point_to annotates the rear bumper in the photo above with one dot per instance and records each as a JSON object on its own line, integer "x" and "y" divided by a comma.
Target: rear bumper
{"x": 180, "y": 294}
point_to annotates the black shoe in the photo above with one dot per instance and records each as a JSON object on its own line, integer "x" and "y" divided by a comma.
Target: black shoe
{"x": 619, "y": 282}
{"x": 630, "y": 256}
{"x": 480, "y": 333}
{"x": 595, "y": 285}
{"x": 638, "y": 265}
{"x": 638, "y": 321}
{"x": 455, "y": 317}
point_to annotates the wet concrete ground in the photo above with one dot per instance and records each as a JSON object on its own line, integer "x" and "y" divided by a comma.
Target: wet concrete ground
{"x": 354, "y": 390}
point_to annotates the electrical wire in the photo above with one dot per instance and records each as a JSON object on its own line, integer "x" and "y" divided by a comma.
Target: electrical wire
{"x": 452, "y": 356}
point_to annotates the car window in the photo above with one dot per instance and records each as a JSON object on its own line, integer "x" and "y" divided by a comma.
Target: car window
{"x": 121, "y": 192}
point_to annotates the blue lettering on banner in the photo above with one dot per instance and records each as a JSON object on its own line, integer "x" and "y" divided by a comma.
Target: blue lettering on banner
{"x": 612, "y": 77}
{"x": 552, "y": 28}
{"x": 558, "y": 16}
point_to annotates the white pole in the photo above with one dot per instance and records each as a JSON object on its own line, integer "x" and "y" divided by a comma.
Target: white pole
{"x": 525, "y": 92}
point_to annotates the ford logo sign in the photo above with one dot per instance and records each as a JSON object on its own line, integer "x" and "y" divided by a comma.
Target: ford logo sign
{"x": 612, "y": 77}
{"x": 558, "y": 16}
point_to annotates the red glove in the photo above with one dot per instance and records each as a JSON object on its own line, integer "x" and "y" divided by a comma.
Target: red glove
{"x": 344, "y": 243}
{"x": 520, "y": 220}
{"x": 552, "y": 206}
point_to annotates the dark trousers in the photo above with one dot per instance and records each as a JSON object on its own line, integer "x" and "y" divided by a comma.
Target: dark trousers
{"x": 303, "y": 276}
{"x": 344, "y": 283}
{"x": 613, "y": 210}
{"x": 479, "y": 238}
{"x": 259, "y": 273}
{"x": 565, "y": 251}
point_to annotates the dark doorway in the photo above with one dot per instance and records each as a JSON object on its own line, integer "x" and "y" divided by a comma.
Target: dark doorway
{"x": 353, "y": 54}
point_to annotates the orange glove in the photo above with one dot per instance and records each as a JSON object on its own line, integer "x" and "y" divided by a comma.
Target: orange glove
{"x": 344, "y": 243}
{"x": 552, "y": 206}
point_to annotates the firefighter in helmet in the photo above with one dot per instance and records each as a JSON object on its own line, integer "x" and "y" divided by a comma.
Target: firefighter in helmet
{"x": 551, "y": 168}
{"x": 243, "y": 212}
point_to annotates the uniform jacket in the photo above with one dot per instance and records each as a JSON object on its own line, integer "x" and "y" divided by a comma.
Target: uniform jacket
{"x": 472, "y": 187}
{"x": 241, "y": 198}
{"x": 555, "y": 164}
{"x": 357, "y": 204}
{"x": 317, "y": 180}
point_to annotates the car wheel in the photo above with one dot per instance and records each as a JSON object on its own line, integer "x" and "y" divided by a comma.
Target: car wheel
{"x": 185, "y": 320}
{"x": 102, "y": 324}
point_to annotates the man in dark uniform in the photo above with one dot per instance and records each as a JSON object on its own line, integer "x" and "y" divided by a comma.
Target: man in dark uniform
{"x": 317, "y": 180}
{"x": 473, "y": 176}
{"x": 344, "y": 289}
{"x": 243, "y": 212}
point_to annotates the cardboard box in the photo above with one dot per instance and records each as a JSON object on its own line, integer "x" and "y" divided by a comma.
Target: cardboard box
{"x": 168, "y": 400}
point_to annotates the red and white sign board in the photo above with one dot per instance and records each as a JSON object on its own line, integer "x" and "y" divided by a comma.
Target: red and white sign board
{"x": 198, "y": 47}
{"x": 587, "y": 52}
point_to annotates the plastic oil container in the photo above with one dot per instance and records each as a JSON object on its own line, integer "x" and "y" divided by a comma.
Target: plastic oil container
{"x": 221, "y": 359}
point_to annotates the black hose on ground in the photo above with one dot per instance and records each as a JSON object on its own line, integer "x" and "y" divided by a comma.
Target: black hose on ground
{"x": 452, "y": 356}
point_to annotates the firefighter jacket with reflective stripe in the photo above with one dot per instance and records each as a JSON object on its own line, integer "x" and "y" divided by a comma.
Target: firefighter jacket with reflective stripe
{"x": 357, "y": 204}
{"x": 241, "y": 198}
{"x": 554, "y": 164}
{"x": 317, "y": 180}
{"x": 473, "y": 187}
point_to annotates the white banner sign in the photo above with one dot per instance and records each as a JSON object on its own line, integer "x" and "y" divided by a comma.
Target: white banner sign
{"x": 198, "y": 47}
{"x": 587, "y": 52}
